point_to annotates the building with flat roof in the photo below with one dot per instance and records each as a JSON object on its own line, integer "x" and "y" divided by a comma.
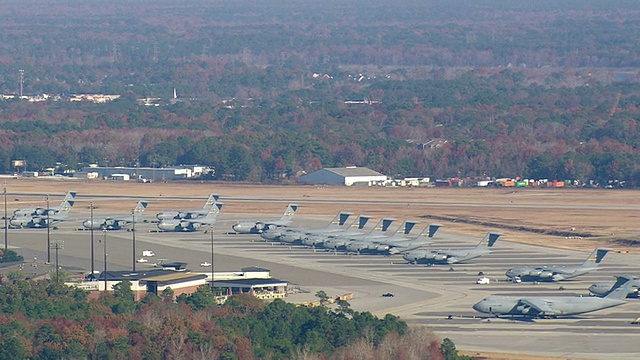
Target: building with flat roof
{"x": 347, "y": 176}
{"x": 260, "y": 288}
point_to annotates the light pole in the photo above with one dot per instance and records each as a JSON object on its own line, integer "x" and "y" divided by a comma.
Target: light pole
{"x": 48, "y": 233}
{"x": 104, "y": 240}
{"x": 57, "y": 245}
{"x": 91, "y": 230}
{"x": 133, "y": 230}
{"x": 212, "y": 285}
{"x": 6, "y": 225}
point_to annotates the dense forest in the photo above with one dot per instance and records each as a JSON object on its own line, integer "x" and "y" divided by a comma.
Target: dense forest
{"x": 269, "y": 90}
{"x": 42, "y": 320}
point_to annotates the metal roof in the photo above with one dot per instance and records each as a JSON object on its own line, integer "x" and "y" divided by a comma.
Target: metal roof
{"x": 354, "y": 171}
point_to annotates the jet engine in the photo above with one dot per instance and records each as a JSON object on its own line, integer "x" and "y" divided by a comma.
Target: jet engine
{"x": 440, "y": 257}
{"x": 546, "y": 274}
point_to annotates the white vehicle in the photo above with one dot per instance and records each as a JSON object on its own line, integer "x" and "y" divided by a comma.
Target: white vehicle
{"x": 148, "y": 253}
{"x": 142, "y": 260}
{"x": 483, "y": 280}
{"x": 205, "y": 264}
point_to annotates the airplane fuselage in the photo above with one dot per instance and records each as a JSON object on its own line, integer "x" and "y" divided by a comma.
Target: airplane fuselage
{"x": 561, "y": 306}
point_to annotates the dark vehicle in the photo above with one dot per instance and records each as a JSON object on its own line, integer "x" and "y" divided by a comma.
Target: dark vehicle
{"x": 388, "y": 295}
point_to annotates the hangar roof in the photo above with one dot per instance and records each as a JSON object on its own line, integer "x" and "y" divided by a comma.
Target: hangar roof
{"x": 354, "y": 171}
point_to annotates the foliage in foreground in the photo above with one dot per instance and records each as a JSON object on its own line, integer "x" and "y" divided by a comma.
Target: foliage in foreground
{"x": 44, "y": 320}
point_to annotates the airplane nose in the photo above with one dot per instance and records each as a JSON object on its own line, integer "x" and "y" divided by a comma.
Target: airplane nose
{"x": 236, "y": 227}
{"x": 480, "y": 307}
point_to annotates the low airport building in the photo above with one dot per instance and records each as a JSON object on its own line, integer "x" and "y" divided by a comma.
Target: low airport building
{"x": 143, "y": 173}
{"x": 348, "y": 176}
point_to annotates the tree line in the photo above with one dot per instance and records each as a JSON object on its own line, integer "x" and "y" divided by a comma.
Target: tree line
{"x": 47, "y": 320}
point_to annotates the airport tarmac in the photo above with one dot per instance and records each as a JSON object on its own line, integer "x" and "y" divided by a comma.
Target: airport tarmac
{"x": 425, "y": 295}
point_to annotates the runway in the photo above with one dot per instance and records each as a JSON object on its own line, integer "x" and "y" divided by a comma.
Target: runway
{"x": 425, "y": 295}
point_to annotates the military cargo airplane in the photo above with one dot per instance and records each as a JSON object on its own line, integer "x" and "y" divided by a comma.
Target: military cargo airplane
{"x": 42, "y": 221}
{"x": 552, "y": 306}
{"x": 453, "y": 256}
{"x": 602, "y": 288}
{"x": 394, "y": 244}
{"x": 37, "y": 211}
{"x": 557, "y": 273}
{"x": 116, "y": 222}
{"x": 257, "y": 227}
{"x": 291, "y": 235}
{"x": 190, "y": 225}
{"x": 338, "y": 241}
{"x": 189, "y": 214}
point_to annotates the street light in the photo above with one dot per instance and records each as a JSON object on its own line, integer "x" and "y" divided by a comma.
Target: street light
{"x": 57, "y": 245}
{"x": 91, "y": 230}
{"x": 104, "y": 240}
{"x": 6, "y": 225}
{"x": 48, "y": 233}
{"x": 211, "y": 230}
{"x": 133, "y": 230}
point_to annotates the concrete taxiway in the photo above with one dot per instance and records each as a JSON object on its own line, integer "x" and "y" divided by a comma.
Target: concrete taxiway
{"x": 440, "y": 297}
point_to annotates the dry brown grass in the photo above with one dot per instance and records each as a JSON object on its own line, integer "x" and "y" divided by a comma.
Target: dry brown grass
{"x": 522, "y": 214}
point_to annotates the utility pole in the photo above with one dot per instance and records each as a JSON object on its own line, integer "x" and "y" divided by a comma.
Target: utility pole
{"x": 91, "y": 231}
{"x": 48, "y": 233}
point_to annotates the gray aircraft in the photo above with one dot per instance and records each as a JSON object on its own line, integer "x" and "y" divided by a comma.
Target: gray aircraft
{"x": 189, "y": 214}
{"x": 257, "y": 227}
{"x": 292, "y": 235}
{"x": 557, "y": 273}
{"x": 191, "y": 225}
{"x": 453, "y": 256}
{"x": 116, "y": 222}
{"x": 298, "y": 238}
{"x": 552, "y": 306}
{"x": 339, "y": 241}
{"x": 37, "y": 211}
{"x": 41, "y": 221}
{"x": 395, "y": 244}
{"x": 604, "y": 287}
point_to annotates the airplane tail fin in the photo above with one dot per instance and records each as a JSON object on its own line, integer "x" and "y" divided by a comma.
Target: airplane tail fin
{"x": 71, "y": 195}
{"x": 596, "y": 257}
{"x": 211, "y": 216}
{"x": 289, "y": 212}
{"x": 433, "y": 229}
{"x": 140, "y": 207}
{"x": 215, "y": 209}
{"x": 621, "y": 288}
{"x": 489, "y": 240}
{"x": 382, "y": 226}
{"x": 339, "y": 220}
{"x": 359, "y": 222}
{"x": 406, "y": 227}
{"x": 213, "y": 198}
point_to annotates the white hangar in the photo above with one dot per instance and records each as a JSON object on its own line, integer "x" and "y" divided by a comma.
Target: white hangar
{"x": 348, "y": 176}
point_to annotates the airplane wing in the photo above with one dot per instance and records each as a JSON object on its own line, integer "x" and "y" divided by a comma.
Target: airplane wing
{"x": 539, "y": 305}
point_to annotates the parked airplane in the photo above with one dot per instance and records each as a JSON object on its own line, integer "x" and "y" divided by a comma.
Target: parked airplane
{"x": 41, "y": 221}
{"x": 297, "y": 238}
{"x": 338, "y": 241}
{"x": 257, "y": 227}
{"x": 36, "y": 211}
{"x": 394, "y": 244}
{"x": 116, "y": 222}
{"x": 189, "y": 214}
{"x": 453, "y": 256}
{"x": 557, "y": 273}
{"x": 190, "y": 225}
{"x": 604, "y": 287}
{"x": 291, "y": 235}
{"x": 552, "y": 306}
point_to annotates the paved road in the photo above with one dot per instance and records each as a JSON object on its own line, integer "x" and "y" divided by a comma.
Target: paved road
{"x": 423, "y": 295}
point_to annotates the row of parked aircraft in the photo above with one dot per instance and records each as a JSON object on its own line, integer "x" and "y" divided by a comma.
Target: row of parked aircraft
{"x": 350, "y": 238}
{"x": 339, "y": 235}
